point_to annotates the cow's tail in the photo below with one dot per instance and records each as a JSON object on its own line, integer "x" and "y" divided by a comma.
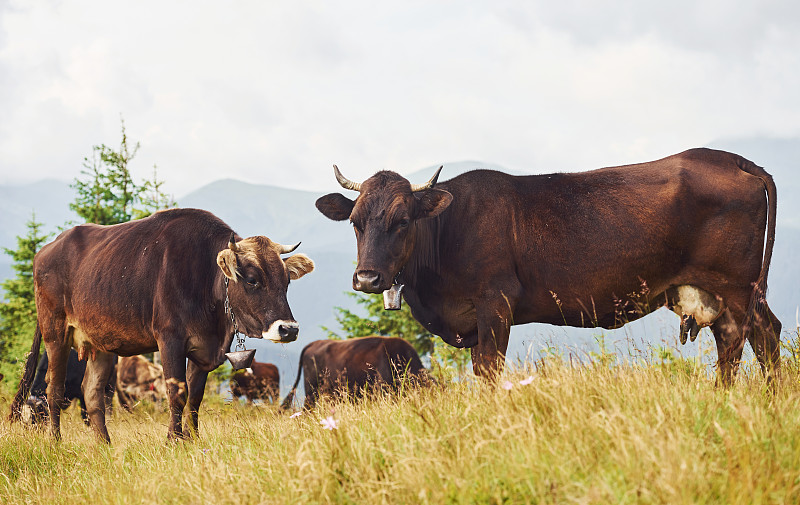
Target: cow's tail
{"x": 758, "y": 309}
{"x": 27, "y": 377}
{"x": 287, "y": 402}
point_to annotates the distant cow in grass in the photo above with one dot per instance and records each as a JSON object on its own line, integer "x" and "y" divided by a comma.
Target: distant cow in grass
{"x": 138, "y": 379}
{"x": 261, "y": 381}
{"x": 334, "y": 366}
{"x": 35, "y": 411}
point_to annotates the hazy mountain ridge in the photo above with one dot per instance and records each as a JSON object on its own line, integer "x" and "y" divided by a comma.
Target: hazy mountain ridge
{"x": 289, "y": 216}
{"x": 49, "y": 199}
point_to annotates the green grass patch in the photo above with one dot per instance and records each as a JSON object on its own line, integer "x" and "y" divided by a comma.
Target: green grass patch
{"x": 655, "y": 433}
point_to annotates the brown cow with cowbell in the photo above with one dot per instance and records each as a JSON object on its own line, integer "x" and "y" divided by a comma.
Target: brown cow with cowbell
{"x": 487, "y": 250}
{"x": 162, "y": 283}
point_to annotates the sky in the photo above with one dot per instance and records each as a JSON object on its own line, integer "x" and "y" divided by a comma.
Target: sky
{"x": 276, "y": 92}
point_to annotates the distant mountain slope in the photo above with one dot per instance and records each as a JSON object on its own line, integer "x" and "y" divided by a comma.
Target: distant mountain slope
{"x": 49, "y": 199}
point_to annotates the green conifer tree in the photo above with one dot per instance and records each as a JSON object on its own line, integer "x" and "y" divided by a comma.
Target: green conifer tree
{"x": 18, "y": 308}
{"x": 108, "y": 194}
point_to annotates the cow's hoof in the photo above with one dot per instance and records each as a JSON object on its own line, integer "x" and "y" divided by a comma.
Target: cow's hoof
{"x": 694, "y": 332}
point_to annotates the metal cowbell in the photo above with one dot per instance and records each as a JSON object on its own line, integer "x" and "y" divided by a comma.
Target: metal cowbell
{"x": 241, "y": 359}
{"x": 392, "y": 298}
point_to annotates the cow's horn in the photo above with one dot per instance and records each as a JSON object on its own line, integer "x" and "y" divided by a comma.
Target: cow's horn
{"x": 429, "y": 184}
{"x": 344, "y": 181}
{"x": 286, "y": 249}
{"x": 232, "y": 243}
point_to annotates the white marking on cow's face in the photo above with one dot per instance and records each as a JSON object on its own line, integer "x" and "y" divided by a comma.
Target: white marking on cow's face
{"x": 274, "y": 331}
{"x": 693, "y": 301}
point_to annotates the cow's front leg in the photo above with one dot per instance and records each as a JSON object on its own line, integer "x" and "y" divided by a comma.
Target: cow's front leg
{"x": 173, "y": 361}
{"x": 196, "y": 378}
{"x": 494, "y": 325}
{"x": 98, "y": 373}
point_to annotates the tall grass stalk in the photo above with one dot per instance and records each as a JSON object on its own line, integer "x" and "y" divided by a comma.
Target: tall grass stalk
{"x": 650, "y": 433}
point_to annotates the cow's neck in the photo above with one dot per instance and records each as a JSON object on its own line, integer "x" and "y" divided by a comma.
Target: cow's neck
{"x": 424, "y": 260}
{"x": 224, "y": 322}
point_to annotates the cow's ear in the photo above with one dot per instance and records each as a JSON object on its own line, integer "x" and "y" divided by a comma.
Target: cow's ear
{"x": 298, "y": 265}
{"x": 226, "y": 259}
{"x": 431, "y": 202}
{"x": 335, "y": 206}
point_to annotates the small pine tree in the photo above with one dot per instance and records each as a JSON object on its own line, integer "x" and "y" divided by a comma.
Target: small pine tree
{"x": 152, "y": 198}
{"x": 18, "y": 309}
{"x": 397, "y": 323}
{"x": 108, "y": 194}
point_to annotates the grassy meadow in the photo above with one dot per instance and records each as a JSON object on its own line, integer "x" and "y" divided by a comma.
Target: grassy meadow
{"x": 658, "y": 431}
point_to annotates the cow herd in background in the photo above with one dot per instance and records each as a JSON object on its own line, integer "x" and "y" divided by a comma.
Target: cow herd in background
{"x": 133, "y": 380}
{"x": 476, "y": 254}
{"x": 335, "y": 368}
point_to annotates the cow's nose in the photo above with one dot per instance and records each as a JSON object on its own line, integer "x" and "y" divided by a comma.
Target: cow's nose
{"x": 288, "y": 332}
{"x": 368, "y": 281}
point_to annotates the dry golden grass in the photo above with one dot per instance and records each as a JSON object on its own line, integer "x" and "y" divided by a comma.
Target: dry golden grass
{"x": 595, "y": 434}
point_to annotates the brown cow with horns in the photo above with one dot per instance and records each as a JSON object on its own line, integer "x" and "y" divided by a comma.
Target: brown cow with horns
{"x": 159, "y": 283}
{"x": 486, "y": 250}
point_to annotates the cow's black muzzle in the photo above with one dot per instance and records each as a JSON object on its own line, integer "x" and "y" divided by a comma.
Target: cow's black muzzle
{"x": 368, "y": 281}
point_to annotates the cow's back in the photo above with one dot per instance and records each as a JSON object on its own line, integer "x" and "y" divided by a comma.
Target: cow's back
{"x": 265, "y": 371}
{"x": 558, "y": 210}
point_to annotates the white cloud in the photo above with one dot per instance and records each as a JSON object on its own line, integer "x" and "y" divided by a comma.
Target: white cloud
{"x": 276, "y": 93}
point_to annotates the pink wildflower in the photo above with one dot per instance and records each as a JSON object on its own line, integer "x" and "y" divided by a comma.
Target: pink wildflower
{"x": 507, "y": 385}
{"x": 525, "y": 382}
{"x": 296, "y": 414}
{"x": 329, "y": 423}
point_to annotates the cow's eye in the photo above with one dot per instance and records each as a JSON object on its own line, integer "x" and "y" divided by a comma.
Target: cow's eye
{"x": 402, "y": 224}
{"x": 252, "y": 281}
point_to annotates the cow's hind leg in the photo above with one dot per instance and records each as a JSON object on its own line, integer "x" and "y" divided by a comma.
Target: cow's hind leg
{"x": 311, "y": 385}
{"x": 57, "y": 352}
{"x": 730, "y": 343}
{"x": 765, "y": 338}
{"x": 98, "y": 373}
{"x": 196, "y": 379}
